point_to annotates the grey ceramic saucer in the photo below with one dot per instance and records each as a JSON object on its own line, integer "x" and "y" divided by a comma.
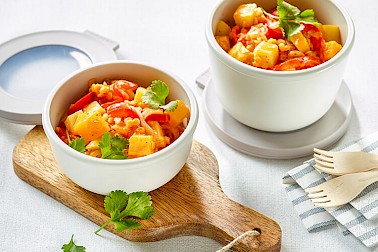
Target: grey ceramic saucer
{"x": 323, "y": 133}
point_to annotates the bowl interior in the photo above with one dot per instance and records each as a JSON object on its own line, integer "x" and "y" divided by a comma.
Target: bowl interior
{"x": 76, "y": 85}
{"x": 326, "y": 11}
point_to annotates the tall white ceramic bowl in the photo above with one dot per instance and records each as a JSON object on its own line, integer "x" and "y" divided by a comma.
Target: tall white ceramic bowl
{"x": 278, "y": 101}
{"x": 100, "y": 175}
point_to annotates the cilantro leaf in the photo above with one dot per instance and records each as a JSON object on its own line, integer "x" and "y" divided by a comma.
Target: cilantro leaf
{"x": 139, "y": 205}
{"x": 290, "y": 18}
{"x": 72, "y": 247}
{"x": 122, "y": 207}
{"x": 112, "y": 147}
{"x": 171, "y": 106}
{"x": 78, "y": 144}
{"x": 155, "y": 97}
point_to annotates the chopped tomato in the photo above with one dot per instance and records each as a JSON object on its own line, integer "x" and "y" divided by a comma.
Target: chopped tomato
{"x": 80, "y": 104}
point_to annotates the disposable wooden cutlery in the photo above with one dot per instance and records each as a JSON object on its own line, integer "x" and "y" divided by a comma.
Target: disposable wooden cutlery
{"x": 341, "y": 190}
{"x": 339, "y": 163}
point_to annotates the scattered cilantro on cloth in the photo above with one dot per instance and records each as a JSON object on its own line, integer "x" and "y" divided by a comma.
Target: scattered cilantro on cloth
{"x": 72, "y": 247}
{"x": 123, "y": 207}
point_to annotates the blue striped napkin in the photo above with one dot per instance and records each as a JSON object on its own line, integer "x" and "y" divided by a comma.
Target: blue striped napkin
{"x": 359, "y": 217}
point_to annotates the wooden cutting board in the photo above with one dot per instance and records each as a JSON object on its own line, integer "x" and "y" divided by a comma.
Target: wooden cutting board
{"x": 192, "y": 203}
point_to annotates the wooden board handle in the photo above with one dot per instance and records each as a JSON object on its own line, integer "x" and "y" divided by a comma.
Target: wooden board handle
{"x": 192, "y": 203}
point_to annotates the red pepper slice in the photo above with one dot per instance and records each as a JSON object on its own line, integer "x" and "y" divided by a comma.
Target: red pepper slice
{"x": 274, "y": 31}
{"x": 121, "y": 110}
{"x": 107, "y": 104}
{"x": 158, "y": 117}
{"x": 81, "y": 103}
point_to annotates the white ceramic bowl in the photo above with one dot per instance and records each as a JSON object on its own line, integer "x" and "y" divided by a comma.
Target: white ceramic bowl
{"x": 271, "y": 100}
{"x": 101, "y": 175}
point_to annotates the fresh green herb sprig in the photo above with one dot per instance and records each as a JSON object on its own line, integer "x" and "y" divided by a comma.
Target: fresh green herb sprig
{"x": 123, "y": 207}
{"x": 290, "y": 18}
{"x": 76, "y": 144}
{"x": 155, "y": 97}
{"x": 72, "y": 247}
{"x": 112, "y": 147}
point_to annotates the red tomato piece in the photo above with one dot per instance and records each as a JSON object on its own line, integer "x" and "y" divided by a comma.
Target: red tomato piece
{"x": 82, "y": 102}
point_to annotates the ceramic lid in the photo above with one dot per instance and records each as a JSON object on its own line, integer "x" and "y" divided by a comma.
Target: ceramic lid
{"x": 31, "y": 65}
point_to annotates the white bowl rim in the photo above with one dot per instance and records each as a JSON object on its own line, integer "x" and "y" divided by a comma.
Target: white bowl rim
{"x": 121, "y": 164}
{"x": 246, "y": 69}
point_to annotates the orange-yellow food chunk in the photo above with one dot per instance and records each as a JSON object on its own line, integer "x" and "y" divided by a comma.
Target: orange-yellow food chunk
{"x": 179, "y": 114}
{"x": 90, "y": 126}
{"x": 141, "y": 145}
{"x": 331, "y": 49}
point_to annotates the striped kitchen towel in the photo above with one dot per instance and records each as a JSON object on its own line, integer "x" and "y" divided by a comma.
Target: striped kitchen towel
{"x": 359, "y": 217}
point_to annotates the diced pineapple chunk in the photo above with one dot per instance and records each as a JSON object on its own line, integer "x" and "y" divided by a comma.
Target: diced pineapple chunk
{"x": 239, "y": 52}
{"x": 331, "y": 49}
{"x": 71, "y": 120}
{"x": 331, "y": 33}
{"x": 247, "y": 15}
{"x": 265, "y": 55}
{"x": 94, "y": 107}
{"x": 138, "y": 94}
{"x": 141, "y": 145}
{"x": 160, "y": 140}
{"x": 90, "y": 126}
{"x": 300, "y": 42}
{"x": 222, "y": 29}
{"x": 179, "y": 114}
{"x": 224, "y": 42}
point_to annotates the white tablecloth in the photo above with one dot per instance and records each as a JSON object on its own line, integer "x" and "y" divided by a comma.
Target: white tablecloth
{"x": 171, "y": 34}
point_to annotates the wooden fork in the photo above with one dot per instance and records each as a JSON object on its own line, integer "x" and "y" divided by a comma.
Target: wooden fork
{"x": 340, "y": 163}
{"x": 341, "y": 190}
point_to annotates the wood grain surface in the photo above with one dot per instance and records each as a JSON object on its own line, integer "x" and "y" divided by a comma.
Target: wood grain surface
{"x": 192, "y": 203}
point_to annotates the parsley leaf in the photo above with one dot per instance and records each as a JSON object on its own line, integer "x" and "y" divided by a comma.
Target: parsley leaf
{"x": 72, "y": 247}
{"x": 290, "y": 18}
{"x": 122, "y": 207}
{"x": 112, "y": 147}
{"x": 76, "y": 144}
{"x": 155, "y": 97}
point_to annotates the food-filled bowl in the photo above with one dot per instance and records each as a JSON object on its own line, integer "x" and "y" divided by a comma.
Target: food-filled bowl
{"x": 142, "y": 166}
{"x": 278, "y": 97}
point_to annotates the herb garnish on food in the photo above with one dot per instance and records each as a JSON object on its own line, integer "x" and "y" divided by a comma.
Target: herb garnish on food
{"x": 112, "y": 147}
{"x": 155, "y": 97}
{"x": 290, "y": 18}
{"x": 122, "y": 207}
{"x": 76, "y": 144}
{"x": 72, "y": 247}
